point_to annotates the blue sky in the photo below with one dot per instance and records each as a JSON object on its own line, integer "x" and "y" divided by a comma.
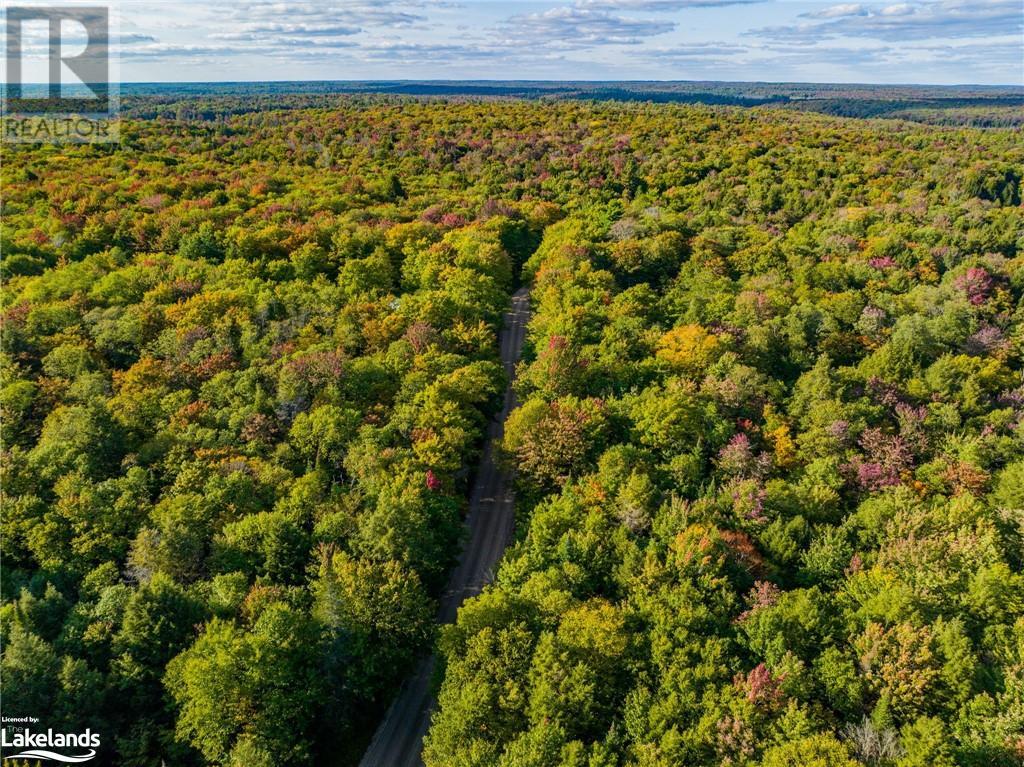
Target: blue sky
{"x": 917, "y": 41}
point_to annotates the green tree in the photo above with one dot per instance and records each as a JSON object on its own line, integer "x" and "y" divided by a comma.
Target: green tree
{"x": 258, "y": 686}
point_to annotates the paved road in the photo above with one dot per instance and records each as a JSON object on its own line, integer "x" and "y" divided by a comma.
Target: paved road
{"x": 399, "y": 739}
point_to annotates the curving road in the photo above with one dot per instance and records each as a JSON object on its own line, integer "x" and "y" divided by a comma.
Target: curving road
{"x": 399, "y": 738}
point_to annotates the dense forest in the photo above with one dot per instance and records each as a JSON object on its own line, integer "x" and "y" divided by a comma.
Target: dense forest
{"x": 962, "y": 105}
{"x": 769, "y": 448}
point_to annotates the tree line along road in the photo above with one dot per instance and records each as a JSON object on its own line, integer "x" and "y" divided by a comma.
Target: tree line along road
{"x": 398, "y": 741}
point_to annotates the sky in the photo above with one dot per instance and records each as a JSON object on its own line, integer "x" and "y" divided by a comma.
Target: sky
{"x": 919, "y": 41}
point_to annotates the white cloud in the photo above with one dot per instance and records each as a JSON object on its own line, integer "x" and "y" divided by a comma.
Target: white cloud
{"x": 574, "y": 27}
{"x": 900, "y": 9}
{"x": 837, "y": 11}
{"x": 659, "y": 5}
{"x": 384, "y": 13}
{"x": 946, "y": 19}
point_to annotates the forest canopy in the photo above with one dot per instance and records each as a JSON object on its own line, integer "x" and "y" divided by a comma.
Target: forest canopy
{"x": 770, "y": 442}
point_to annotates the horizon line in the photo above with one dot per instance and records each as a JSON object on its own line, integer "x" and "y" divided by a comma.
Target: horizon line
{"x": 1015, "y": 86}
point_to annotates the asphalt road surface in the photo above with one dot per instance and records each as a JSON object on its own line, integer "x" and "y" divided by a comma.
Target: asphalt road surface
{"x": 399, "y": 738}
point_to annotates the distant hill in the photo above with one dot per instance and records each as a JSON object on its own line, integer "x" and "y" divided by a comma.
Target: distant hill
{"x": 978, "y": 105}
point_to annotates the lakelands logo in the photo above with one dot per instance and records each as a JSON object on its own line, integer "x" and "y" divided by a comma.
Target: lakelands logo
{"x": 39, "y": 745}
